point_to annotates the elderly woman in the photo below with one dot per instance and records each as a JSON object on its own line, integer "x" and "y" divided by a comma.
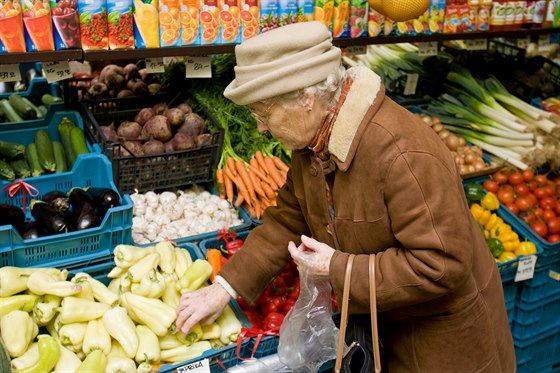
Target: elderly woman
{"x": 367, "y": 177}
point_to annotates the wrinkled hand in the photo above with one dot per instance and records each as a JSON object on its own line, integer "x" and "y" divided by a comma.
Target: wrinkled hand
{"x": 314, "y": 255}
{"x": 202, "y": 305}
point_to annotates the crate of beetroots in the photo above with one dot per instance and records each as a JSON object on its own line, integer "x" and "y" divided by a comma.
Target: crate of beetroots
{"x": 158, "y": 146}
{"x": 58, "y": 219}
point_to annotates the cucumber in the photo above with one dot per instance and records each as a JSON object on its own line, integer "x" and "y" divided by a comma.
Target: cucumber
{"x": 45, "y": 150}
{"x": 64, "y": 129}
{"x": 9, "y": 111}
{"x": 38, "y": 113}
{"x": 43, "y": 109}
{"x": 11, "y": 149}
{"x": 21, "y": 168}
{"x": 59, "y": 157}
{"x": 33, "y": 160}
{"x": 47, "y": 99}
{"x": 6, "y": 171}
{"x": 21, "y": 107}
{"x": 78, "y": 139}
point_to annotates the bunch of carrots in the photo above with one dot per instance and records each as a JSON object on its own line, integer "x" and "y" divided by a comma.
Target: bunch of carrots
{"x": 256, "y": 183}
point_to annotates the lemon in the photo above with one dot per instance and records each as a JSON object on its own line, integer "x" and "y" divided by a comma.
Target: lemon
{"x": 402, "y": 27}
{"x": 433, "y": 25}
{"x": 418, "y": 27}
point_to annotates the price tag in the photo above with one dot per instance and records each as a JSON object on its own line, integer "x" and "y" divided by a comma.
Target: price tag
{"x": 429, "y": 48}
{"x": 354, "y": 50}
{"x": 202, "y": 366}
{"x": 198, "y": 67}
{"x": 411, "y": 83}
{"x": 543, "y": 43}
{"x": 56, "y": 71}
{"x": 476, "y": 44}
{"x": 155, "y": 65}
{"x": 10, "y": 73}
{"x": 523, "y": 43}
{"x": 80, "y": 68}
{"x": 554, "y": 275}
{"x": 526, "y": 268}
{"x": 170, "y": 60}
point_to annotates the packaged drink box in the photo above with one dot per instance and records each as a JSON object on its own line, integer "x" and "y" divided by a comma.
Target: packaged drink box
{"x": 376, "y": 23}
{"x": 305, "y": 10}
{"x": 169, "y": 23}
{"x": 37, "y": 23}
{"x": 457, "y": 19}
{"x": 539, "y": 12}
{"x": 528, "y": 13}
{"x": 119, "y": 24}
{"x": 436, "y": 16}
{"x": 483, "y": 16}
{"x": 420, "y": 24}
{"x": 249, "y": 16}
{"x": 269, "y": 15}
{"x": 93, "y": 24}
{"x": 287, "y": 12}
{"x": 209, "y": 22}
{"x": 341, "y": 17}
{"x": 389, "y": 27}
{"x": 323, "y": 12}
{"x": 12, "y": 36}
{"x": 146, "y": 24}
{"x": 229, "y": 21}
{"x": 358, "y": 21}
{"x": 190, "y": 22}
{"x": 474, "y": 7}
{"x": 66, "y": 24}
{"x": 519, "y": 11}
{"x": 509, "y": 15}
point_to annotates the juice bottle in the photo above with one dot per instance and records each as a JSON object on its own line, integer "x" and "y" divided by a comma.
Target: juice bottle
{"x": 190, "y": 14}
{"x": 483, "y": 16}
{"x": 209, "y": 22}
{"x": 528, "y": 14}
{"x": 146, "y": 23}
{"x": 66, "y": 30}
{"x": 538, "y": 14}
{"x": 519, "y": 11}
{"x": 93, "y": 24}
{"x": 287, "y": 12}
{"x": 549, "y": 14}
{"x": 358, "y": 21}
{"x": 38, "y": 25}
{"x": 341, "y": 16}
{"x": 119, "y": 24}
{"x": 305, "y": 10}
{"x": 249, "y": 15}
{"x": 169, "y": 23}
{"x": 323, "y": 12}
{"x": 376, "y": 23}
{"x": 229, "y": 21}
{"x": 451, "y": 21}
{"x": 509, "y": 15}
{"x": 436, "y": 16}
{"x": 497, "y": 16}
{"x": 12, "y": 37}
{"x": 268, "y": 15}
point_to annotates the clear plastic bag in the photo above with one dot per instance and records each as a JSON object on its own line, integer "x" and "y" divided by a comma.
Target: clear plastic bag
{"x": 308, "y": 336}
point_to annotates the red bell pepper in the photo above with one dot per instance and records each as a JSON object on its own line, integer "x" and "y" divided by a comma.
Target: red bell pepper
{"x": 273, "y": 321}
{"x": 271, "y": 303}
{"x": 232, "y": 242}
{"x": 243, "y": 304}
{"x": 253, "y": 318}
{"x": 276, "y": 287}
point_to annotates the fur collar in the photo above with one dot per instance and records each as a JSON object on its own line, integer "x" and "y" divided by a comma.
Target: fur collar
{"x": 365, "y": 88}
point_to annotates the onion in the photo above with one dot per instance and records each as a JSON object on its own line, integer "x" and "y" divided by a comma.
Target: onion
{"x": 452, "y": 142}
{"x": 469, "y": 158}
{"x": 437, "y": 127}
{"x": 443, "y": 134}
{"x": 479, "y": 165}
{"x": 462, "y": 141}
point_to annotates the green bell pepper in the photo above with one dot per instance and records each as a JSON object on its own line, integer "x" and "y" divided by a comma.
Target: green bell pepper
{"x": 496, "y": 247}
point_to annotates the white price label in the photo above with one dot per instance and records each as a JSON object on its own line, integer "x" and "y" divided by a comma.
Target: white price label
{"x": 202, "y": 366}
{"x": 198, "y": 67}
{"x": 543, "y": 43}
{"x": 476, "y": 44}
{"x": 523, "y": 43}
{"x": 526, "y": 268}
{"x": 80, "y": 68}
{"x": 355, "y": 50}
{"x": 429, "y": 48}
{"x": 9, "y": 73}
{"x": 56, "y": 71}
{"x": 411, "y": 83}
{"x": 155, "y": 65}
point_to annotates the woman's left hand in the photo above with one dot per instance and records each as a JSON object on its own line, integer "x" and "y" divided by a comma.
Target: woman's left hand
{"x": 314, "y": 255}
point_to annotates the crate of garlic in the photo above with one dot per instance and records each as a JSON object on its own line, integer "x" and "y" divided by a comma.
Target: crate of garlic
{"x": 188, "y": 215}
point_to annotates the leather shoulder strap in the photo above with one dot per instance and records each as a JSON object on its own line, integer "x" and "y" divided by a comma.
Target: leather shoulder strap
{"x": 344, "y": 313}
{"x": 373, "y": 311}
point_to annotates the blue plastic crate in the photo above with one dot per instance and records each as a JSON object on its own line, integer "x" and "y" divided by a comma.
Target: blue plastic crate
{"x": 532, "y": 318}
{"x": 540, "y": 354}
{"x": 37, "y": 88}
{"x": 544, "y": 284}
{"x": 215, "y": 243}
{"x": 59, "y": 250}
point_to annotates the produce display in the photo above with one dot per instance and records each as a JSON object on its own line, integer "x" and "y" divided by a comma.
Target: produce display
{"x": 50, "y": 322}
{"x": 169, "y": 215}
{"x": 17, "y": 108}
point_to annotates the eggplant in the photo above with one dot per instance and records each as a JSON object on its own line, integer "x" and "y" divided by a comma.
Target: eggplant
{"x": 30, "y": 231}
{"x": 103, "y": 199}
{"x": 84, "y": 212}
{"x": 49, "y": 219}
{"x": 58, "y": 200}
{"x": 13, "y": 215}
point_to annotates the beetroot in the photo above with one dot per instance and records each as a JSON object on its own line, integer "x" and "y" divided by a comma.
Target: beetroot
{"x": 130, "y": 71}
{"x": 204, "y": 139}
{"x": 153, "y": 147}
{"x": 156, "y": 128}
{"x": 154, "y": 88}
{"x": 144, "y": 115}
{"x": 129, "y": 130}
{"x": 174, "y": 116}
{"x": 185, "y": 108}
{"x": 160, "y": 108}
{"x": 109, "y": 132}
{"x": 183, "y": 141}
{"x": 169, "y": 146}
{"x": 132, "y": 148}
{"x": 193, "y": 125}
{"x": 125, "y": 93}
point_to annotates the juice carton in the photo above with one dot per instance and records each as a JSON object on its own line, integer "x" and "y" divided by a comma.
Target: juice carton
{"x": 12, "y": 37}
{"x": 268, "y": 15}
{"x": 436, "y": 16}
{"x": 358, "y": 20}
{"x": 305, "y": 10}
{"x": 210, "y": 22}
{"x": 146, "y": 23}
{"x": 464, "y": 18}
{"x": 376, "y": 23}
{"x": 169, "y": 23}
{"x": 66, "y": 30}
{"x": 119, "y": 24}
{"x": 474, "y": 6}
{"x": 452, "y": 21}
{"x": 93, "y": 24}
{"x": 420, "y": 24}
{"x": 38, "y": 25}
{"x": 405, "y": 28}
{"x": 249, "y": 16}
{"x": 323, "y": 12}
{"x": 287, "y": 12}
{"x": 519, "y": 11}
{"x": 229, "y": 21}
{"x": 190, "y": 22}
{"x": 389, "y": 27}
{"x": 341, "y": 16}
{"x": 483, "y": 16}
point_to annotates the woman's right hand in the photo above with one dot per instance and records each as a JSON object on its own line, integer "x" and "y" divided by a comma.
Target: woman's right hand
{"x": 202, "y": 305}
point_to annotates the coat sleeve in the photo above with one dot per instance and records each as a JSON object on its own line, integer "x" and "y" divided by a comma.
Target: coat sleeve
{"x": 430, "y": 218}
{"x": 265, "y": 251}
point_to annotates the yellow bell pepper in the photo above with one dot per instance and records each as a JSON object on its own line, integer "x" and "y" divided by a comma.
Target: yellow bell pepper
{"x": 119, "y": 326}
{"x": 13, "y": 280}
{"x": 153, "y": 313}
{"x": 152, "y": 285}
{"x": 21, "y": 302}
{"x": 526, "y": 248}
{"x": 184, "y": 353}
{"x": 168, "y": 258}
{"x": 490, "y": 201}
{"x": 230, "y": 326}
{"x": 148, "y": 345}
{"x": 143, "y": 266}
{"x": 30, "y": 357}
{"x": 18, "y": 331}
{"x": 506, "y": 256}
{"x": 77, "y": 309}
{"x": 68, "y": 361}
{"x": 494, "y": 221}
{"x": 195, "y": 276}
{"x": 72, "y": 335}
{"x": 42, "y": 283}
{"x": 100, "y": 292}
{"x": 44, "y": 312}
{"x": 126, "y": 255}
{"x": 49, "y": 353}
{"x": 96, "y": 337}
{"x": 511, "y": 246}
{"x": 182, "y": 262}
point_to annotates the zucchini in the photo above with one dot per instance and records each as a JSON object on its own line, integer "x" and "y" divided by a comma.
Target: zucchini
{"x": 59, "y": 157}
{"x": 45, "y": 150}
{"x": 9, "y": 111}
{"x": 11, "y": 149}
{"x": 47, "y": 99}
{"x": 33, "y": 160}
{"x": 43, "y": 109}
{"x": 21, "y": 107}
{"x": 38, "y": 113}
{"x": 64, "y": 129}
{"x": 78, "y": 139}
{"x": 6, "y": 171}
{"x": 21, "y": 168}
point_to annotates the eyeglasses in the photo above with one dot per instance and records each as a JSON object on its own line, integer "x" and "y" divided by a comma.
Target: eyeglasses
{"x": 261, "y": 118}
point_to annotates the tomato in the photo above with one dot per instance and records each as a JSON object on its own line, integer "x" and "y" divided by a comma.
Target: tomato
{"x": 523, "y": 203}
{"x": 528, "y": 175}
{"x": 548, "y": 214}
{"x": 515, "y": 178}
{"x": 287, "y": 306}
{"x": 500, "y": 177}
{"x": 522, "y": 189}
{"x": 553, "y": 238}
{"x": 547, "y": 203}
{"x": 529, "y": 218}
{"x": 533, "y": 184}
{"x": 513, "y": 208}
{"x": 532, "y": 198}
{"x": 538, "y": 212}
{"x": 539, "y": 193}
{"x": 273, "y": 321}
{"x": 505, "y": 196}
{"x": 541, "y": 179}
{"x": 491, "y": 186}
{"x": 549, "y": 190}
{"x": 539, "y": 228}
{"x": 557, "y": 209}
{"x": 554, "y": 226}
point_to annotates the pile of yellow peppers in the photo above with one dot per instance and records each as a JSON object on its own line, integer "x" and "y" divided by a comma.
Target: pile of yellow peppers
{"x": 502, "y": 241}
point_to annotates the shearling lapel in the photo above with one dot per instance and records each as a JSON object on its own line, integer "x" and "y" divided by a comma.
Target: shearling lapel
{"x": 362, "y": 102}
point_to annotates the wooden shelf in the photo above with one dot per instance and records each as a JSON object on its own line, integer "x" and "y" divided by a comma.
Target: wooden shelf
{"x": 62, "y": 55}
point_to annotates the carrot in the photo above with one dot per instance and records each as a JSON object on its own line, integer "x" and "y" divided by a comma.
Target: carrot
{"x": 273, "y": 171}
{"x": 214, "y": 257}
{"x": 260, "y": 160}
{"x": 267, "y": 190}
{"x": 231, "y": 165}
{"x": 220, "y": 182}
{"x": 256, "y": 184}
{"x": 254, "y": 167}
{"x": 257, "y": 210}
{"x": 228, "y": 186}
{"x": 239, "y": 200}
{"x": 280, "y": 164}
{"x": 244, "y": 176}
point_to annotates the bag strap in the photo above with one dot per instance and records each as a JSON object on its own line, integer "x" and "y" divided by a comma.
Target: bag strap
{"x": 344, "y": 313}
{"x": 373, "y": 311}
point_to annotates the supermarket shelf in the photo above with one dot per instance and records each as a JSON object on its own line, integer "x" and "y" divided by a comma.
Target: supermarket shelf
{"x": 198, "y": 50}
{"x": 62, "y": 55}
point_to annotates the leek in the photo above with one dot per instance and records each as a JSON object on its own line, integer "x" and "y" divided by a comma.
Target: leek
{"x": 494, "y": 140}
{"x": 485, "y": 128}
{"x": 500, "y": 152}
{"x": 542, "y": 123}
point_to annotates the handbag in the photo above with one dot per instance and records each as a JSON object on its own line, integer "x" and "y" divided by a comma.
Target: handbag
{"x": 340, "y": 353}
